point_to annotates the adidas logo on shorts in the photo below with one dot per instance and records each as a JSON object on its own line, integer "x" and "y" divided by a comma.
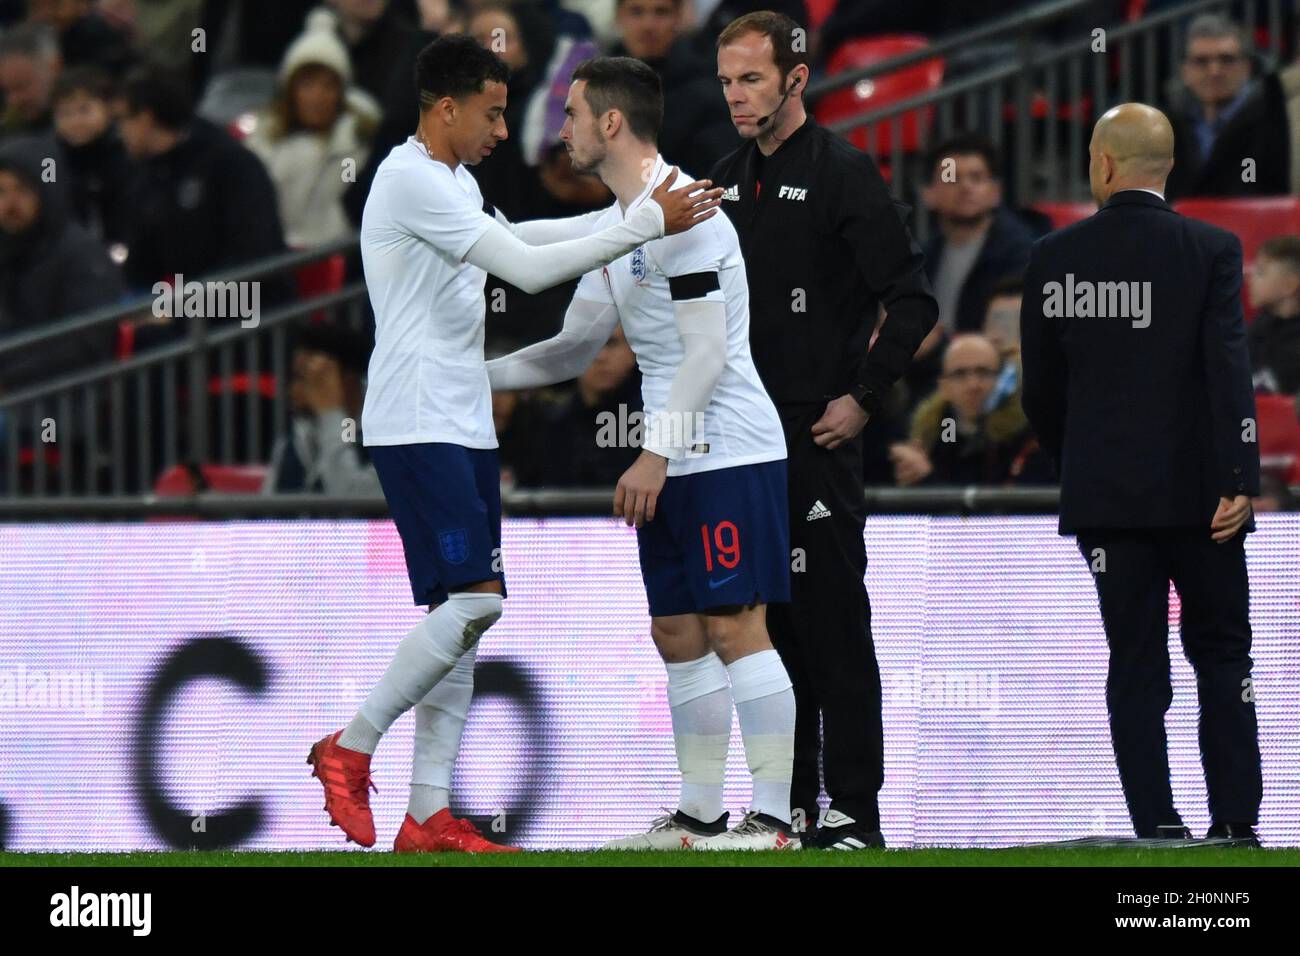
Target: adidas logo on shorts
{"x": 818, "y": 510}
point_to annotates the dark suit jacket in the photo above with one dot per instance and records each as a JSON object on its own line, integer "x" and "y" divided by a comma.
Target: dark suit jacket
{"x": 1004, "y": 253}
{"x": 1146, "y": 424}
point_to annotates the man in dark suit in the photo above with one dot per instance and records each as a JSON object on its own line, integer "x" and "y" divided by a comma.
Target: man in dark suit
{"x": 1137, "y": 381}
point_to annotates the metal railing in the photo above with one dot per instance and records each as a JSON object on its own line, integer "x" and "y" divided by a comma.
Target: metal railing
{"x": 965, "y": 500}
{"x": 1039, "y": 105}
{"x": 518, "y": 502}
{"x": 196, "y": 397}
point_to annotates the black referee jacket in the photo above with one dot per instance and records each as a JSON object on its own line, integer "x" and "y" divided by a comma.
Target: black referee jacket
{"x": 825, "y": 244}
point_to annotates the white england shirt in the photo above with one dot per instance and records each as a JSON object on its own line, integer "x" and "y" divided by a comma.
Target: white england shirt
{"x": 427, "y": 380}
{"x": 740, "y": 425}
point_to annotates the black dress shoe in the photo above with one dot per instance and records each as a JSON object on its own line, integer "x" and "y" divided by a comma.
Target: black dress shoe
{"x": 1239, "y": 833}
{"x": 1174, "y": 831}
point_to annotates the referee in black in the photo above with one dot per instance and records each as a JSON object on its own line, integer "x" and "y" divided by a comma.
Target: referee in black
{"x": 824, "y": 246}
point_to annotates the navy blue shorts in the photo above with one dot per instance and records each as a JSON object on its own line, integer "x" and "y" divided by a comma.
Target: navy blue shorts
{"x": 446, "y": 502}
{"x": 719, "y": 538}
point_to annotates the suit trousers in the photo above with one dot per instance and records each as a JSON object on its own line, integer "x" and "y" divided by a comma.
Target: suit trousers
{"x": 1132, "y": 570}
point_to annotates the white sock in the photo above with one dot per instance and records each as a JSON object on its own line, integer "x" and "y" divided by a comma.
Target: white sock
{"x": 360, "y": 735}
{"x": 765, "y": 705}
{"x": 427, "y": 653}
{"x": 426, "y": 801}
{"x": 700, "y": 701}
{"x": 439, "y": 723}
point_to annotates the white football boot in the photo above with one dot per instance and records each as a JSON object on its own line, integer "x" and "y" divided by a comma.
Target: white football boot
{"x": 757, "y": 831}
{"x": 672, "y": 831}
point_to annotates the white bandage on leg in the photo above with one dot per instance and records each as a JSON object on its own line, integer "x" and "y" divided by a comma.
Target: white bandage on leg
{"x": 699, "y": 699}
{"x": 439, "y": 722}
{"x": 696, "y": 678}
{"x": 764, "y": 700}
{"x": 428, "y": 653}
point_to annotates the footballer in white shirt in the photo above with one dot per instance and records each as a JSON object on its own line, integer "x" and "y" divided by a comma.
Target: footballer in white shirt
{"x": 427, "y": 244}
{"x": 708, "y": 492}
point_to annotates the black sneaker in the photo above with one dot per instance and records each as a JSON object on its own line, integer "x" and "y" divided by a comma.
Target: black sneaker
{"x": 1240, "y": 834}
{"x": 839, "y": 831}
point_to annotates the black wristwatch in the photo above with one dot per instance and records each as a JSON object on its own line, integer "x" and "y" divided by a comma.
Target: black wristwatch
{"x": 866, "y": 397}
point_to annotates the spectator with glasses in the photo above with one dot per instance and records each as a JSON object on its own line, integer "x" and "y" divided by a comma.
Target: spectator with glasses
{"x": 1221, "y": 119}
{"x": 954, "y": 441}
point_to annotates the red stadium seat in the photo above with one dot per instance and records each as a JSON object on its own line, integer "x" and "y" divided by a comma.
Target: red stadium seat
{"x": 1253, "y": 220}
{"x": 231, "y": 479}
{"x": 818, "y": 11}
{"x": 1279, "y": 436}
{"x": 1064, "y": 214}
{"x": 1080, "y": 112}
{"x": 871, "y": 94}
{"x": 321, "y": 277}
{"x": 175, "y": 481}
{"x": 125, "y": 346}
{"x": 242, "y": 383}
{"x": 235, "y": 479}
{"x": 27, "y": 456}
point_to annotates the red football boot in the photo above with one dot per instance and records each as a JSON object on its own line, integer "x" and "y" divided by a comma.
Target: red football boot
{"x": 444, "y": 833}
{"x": 345, "y": 775}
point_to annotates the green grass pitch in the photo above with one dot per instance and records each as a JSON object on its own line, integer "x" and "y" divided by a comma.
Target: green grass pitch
{"x": 1013, "y": 857}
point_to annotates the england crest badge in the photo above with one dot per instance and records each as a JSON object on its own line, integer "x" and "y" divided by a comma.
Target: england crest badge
{"x": 454, "y": 545}
{"x": 638, "y": 264}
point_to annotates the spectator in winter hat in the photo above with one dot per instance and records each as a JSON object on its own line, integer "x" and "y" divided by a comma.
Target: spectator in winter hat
{"x": 316, "y": 136}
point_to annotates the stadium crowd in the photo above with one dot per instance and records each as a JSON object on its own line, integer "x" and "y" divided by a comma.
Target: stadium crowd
{"x": 191, "y": 136}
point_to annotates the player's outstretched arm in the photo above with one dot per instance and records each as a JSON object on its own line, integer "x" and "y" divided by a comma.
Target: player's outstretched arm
{"x": 534, "y": 268}
{"x": 587, "y": 326}
{"x": 543, "y": 232}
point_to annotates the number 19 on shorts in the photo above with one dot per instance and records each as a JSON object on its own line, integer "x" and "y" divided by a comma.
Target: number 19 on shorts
{"x": 721, "y": 541}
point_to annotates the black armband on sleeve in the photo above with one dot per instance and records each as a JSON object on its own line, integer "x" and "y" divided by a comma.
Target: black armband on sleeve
{"x": 693, "y": 286}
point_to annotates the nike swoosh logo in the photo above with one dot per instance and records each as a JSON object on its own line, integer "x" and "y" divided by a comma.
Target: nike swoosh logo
{"x": 717, "y": 584}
